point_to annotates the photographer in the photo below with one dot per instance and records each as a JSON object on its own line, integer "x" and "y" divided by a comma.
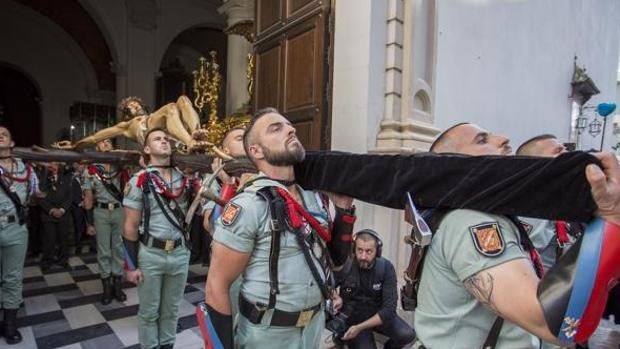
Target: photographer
{"x": 368, "y": 290}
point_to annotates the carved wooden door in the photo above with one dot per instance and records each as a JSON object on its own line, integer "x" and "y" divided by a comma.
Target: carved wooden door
{"x": 292, "y": 65}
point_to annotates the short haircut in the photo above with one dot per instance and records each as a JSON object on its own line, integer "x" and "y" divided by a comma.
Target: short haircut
{"x": 148, "y": 134}
{"x": 443, "y": 138}
{"x": 526, "y": 147}
{"x": 247, "y": 136}
{"x": 229, "y": 132}
{"x": 364, "y": 236}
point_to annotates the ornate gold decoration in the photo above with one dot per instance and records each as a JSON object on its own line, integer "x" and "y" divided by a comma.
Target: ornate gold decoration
{"x": 243, "y": 28}
{"x": 238, "y": 120}
{"x": 207, "y": 84}
{"x": 249, "y": 75}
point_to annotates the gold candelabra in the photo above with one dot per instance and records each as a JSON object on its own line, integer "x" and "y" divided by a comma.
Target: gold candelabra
{"x": 207, "y": 83}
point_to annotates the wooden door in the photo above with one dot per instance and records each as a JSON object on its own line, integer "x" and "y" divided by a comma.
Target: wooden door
{"x": 292, "y": 65}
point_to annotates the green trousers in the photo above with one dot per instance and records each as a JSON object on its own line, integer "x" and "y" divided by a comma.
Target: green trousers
{"x": 13, "y": 245}
{"x": 249, "y": 335}
{"x": 109, "y": 226}
{"x": 165, "y": 276}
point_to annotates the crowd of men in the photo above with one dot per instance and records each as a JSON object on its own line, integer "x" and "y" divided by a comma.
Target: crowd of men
{"x": 284, "y": 262}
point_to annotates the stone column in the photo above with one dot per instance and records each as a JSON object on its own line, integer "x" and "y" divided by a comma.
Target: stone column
{"x": 240, "y": 18}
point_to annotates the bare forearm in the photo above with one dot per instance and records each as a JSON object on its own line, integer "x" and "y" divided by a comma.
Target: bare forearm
{"x": 218, "y": 296}
{"x": 88, "y": 199}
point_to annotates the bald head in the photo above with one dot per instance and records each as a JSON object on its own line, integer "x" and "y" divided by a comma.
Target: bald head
{"x": 471, "y": 139}
{"x": 543, "y": 145}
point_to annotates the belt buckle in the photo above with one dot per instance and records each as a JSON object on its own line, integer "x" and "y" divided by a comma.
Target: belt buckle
{"x": 304, "y": 318}
{"x": 110, "y": 206}
{"x": 169, "y": 246}
{"x": 4, "y": 219}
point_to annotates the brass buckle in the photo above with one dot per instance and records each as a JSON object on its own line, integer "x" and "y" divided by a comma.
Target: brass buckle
{"x": 304, "y": 318}
{"x": 110, "y": 206}
{"x": 169, "y": 246}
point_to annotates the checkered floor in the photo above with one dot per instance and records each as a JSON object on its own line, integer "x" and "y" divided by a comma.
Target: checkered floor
{"x": 62, "y": 309}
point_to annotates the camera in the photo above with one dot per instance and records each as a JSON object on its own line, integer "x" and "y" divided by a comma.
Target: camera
{"x": 338, "y": 326}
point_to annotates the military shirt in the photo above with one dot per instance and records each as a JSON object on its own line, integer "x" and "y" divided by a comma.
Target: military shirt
{"x": 216, "y": 188}
{"x": 542, "y": 232}
{"x": 159, "y": 226}
{"x": 245, "y": 227}
{"x": 448, "y": 316}
{"x": 94, "y": 183}
{"x": 20, "y": 187}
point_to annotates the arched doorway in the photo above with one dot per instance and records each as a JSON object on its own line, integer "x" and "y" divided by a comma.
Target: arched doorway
{"x": 20, "y": 110}
{"x": 182, "y": 57}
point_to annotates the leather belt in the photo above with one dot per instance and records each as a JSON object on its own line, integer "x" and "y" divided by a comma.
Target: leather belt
{"x": 166, "y": 245}
{"x": 255, "y": 313}
{"x": 8, "y": 219}
{"x": 108, "y": 205}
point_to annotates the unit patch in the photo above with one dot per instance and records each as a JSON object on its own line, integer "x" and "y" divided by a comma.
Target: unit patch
{"x": 230, "y": 214}
{"x": 488, "y": 239}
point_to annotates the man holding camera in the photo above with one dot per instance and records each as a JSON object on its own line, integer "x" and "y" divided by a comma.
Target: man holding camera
{"x": 368, "y": 290}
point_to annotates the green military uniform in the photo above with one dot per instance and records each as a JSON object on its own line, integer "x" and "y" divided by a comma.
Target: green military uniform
{"x": 13, "y": 239}
{"x": 108, "y": 219}
{"x": 543, "y": 235}
{"x": 448, "y": 316}
{"x": 216, "y": 188}
{"x": 163, "y": 258}
{"x": 245, "y": 227}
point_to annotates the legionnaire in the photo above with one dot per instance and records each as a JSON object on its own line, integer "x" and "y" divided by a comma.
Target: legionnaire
{"x": 103, "y": 195}
{"x": 226, "y": 187}
{"x": 551, "y": 238}
{"x": 55, "y": 216}
{"x": 368, "y": 290}
{"x": 17, "y": 182}
{"x": 479, "y": 286}
{"x": 277, "y": 235}
{"x": 157, "y": 254}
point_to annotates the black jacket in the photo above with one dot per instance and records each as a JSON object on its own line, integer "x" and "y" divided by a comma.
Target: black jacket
{"x": 368, "y": 292}
{"x": 58, "y": 194}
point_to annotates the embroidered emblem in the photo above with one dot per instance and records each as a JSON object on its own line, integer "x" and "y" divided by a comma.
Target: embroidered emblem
{"x": 528, "y": 227}
{"x": 231, "y": 211}
{"x": 376, "y": 287}
{"x": 488, "y": 239}
{"x": 569, "y": 327}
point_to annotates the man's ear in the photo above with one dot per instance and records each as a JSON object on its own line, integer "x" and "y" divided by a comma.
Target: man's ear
{"x": 146, "y": 149}
{"x": 12, "y": 144}
{"x": 256, "y": 152}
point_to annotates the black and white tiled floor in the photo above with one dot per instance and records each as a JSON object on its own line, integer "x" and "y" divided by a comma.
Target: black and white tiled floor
{"x": 62, "y": 309}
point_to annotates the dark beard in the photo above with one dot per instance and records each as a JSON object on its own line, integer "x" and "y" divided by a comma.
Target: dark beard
{"x": 289, "y": 157}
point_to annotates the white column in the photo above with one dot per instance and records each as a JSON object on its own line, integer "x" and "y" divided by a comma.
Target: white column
{"x": 238, "y": 12}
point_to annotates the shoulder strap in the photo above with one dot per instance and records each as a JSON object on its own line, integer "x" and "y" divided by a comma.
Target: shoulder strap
{"x": 108, "y": 185}
{"x": 146, "y": 204}
{"x": 493, "y": 335}
{"x": 178, "y": 223}
{"x": 413, "y": 273}
{"x": 276, "y": 223}
{"x": 19, "y": 208}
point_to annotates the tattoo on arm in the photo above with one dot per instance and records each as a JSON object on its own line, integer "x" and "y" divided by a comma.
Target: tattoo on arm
{"x": 481, "y": 287}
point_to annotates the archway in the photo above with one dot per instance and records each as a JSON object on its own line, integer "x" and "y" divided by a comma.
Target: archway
{"x": 20, "y": 108}
{"x": 181, "y": 58}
